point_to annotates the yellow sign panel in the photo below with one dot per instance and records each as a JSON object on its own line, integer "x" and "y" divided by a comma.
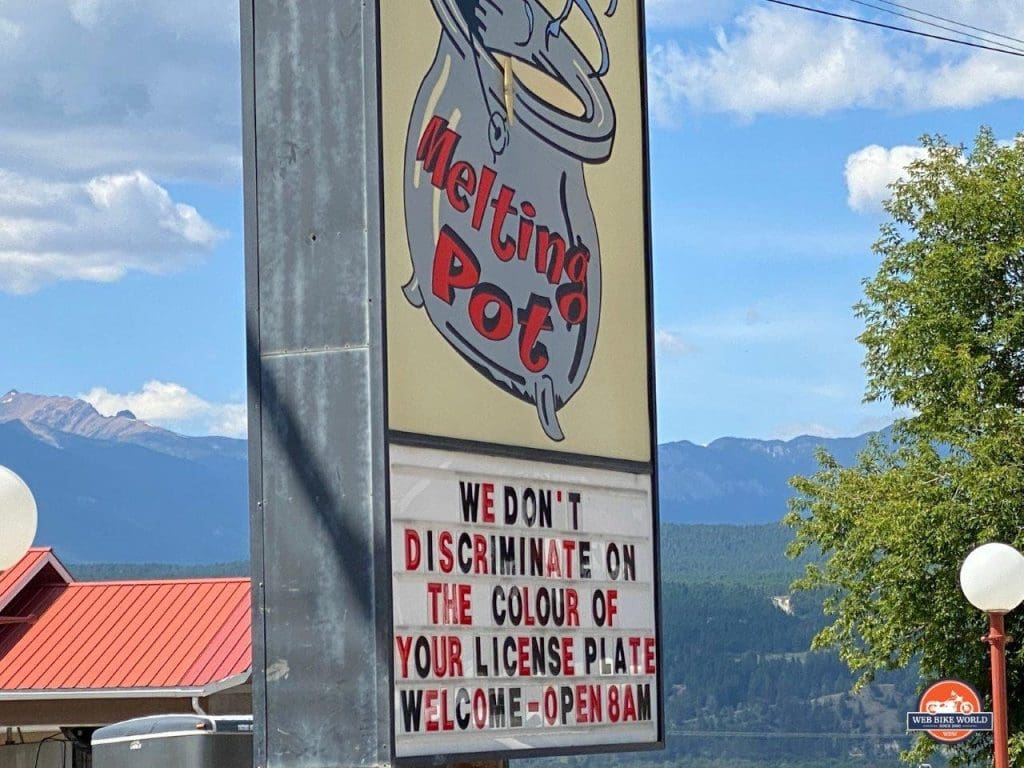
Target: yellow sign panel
{"x": 515, "y": 237}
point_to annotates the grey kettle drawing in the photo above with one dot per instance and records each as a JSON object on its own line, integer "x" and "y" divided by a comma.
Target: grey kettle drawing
{"x": 504, "y": 244}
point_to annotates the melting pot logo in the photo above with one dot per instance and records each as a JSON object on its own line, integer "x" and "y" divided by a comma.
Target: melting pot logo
{"x": 503, "y": 238}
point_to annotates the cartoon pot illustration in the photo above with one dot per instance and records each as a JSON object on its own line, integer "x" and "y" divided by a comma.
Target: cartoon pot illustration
{"x": 505, "y": 252}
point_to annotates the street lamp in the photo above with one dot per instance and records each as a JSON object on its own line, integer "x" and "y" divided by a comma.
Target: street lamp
{"x": 992, "y": 579}
{"x": 17, "y": 518}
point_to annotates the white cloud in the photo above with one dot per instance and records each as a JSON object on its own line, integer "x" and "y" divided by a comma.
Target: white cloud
{"x": 671, "y": 343}
{"x": 92, "y": 87}
{"x": 778, "y": 60}
{"x": 97, "y": 231}
{"x": 173, "y": 406}
{"x": 870, "y": 171}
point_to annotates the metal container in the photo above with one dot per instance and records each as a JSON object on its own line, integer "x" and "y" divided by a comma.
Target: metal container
{"x": 175, "y": 741}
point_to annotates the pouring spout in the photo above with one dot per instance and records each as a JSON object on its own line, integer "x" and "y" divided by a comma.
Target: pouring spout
{"x": 547, "y": 408}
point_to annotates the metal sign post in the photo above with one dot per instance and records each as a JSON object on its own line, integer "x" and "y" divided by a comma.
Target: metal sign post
{"x": 452, "y": 412}
{"x": 321, "y": 671}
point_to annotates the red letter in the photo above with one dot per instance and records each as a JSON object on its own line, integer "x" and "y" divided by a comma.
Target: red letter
{"x": 504, "y": 248}
{"x": 488, "y": 514}
{"x": 435, "y": 150}
{"x": 534, "y": 319}
{"x": 445, "y": 560}
{"x": 404, "y": 646}
{"x": 549, "y": 254}
{"x": 461, "y": 184}
{"x": 455, "y": 265}
{"x": 490, "y": 311}
{"x": 412, "y": 550}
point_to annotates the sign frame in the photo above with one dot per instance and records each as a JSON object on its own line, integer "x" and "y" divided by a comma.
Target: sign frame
{"x": 404, "y": 438}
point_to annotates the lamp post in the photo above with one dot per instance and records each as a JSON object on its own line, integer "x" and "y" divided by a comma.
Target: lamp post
{"x": 18, "y": 518}
{"x": 992, "y": 579}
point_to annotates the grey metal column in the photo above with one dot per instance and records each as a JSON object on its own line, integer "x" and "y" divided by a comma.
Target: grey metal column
{"x": 316, "y": 379}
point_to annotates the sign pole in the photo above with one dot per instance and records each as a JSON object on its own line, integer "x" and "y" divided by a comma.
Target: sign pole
{"x": 321, "y": 577}
{"x": 996, "y": 640}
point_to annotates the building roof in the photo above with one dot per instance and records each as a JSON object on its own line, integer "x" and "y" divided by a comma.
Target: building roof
{"x": 176, "y": 638}
{"x": 15, "y": 578}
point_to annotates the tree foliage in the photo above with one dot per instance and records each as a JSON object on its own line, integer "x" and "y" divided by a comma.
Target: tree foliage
{"x": 944, "y": 339}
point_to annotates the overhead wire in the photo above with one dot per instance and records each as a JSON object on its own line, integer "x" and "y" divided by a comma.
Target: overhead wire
{"x": 951, "y": 21}
{"x": 919, "y": 33}
{"x": 954, "y": 30}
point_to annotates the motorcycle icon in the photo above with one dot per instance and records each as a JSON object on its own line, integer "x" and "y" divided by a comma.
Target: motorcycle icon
{"x": 955, "y": 704}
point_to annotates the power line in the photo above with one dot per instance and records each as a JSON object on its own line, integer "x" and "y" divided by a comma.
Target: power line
{"x": 917, "y": 32}
{"x": 939, "y": 26}
{"x": 951, "y": 21}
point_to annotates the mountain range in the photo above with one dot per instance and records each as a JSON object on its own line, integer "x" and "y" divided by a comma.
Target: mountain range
{"x": 116, "y": 489}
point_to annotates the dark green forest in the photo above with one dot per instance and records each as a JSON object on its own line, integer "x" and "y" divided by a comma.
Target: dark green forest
{"x": 741, "y": 688}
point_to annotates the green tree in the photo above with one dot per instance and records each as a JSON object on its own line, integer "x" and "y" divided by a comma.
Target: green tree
{"x": 944, "y": 339}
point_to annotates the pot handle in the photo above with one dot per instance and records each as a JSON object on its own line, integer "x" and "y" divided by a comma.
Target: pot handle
{"x": 555, "y": 27}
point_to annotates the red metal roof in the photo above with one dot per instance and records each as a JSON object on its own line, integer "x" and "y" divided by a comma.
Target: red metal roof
{"x": 123, "y": 635}
{"x": 14, "y": 579}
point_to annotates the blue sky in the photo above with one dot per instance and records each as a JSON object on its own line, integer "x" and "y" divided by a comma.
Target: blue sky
{"x": 774, "y": 133}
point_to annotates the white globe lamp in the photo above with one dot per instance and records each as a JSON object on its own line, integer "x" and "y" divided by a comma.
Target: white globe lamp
{"x": 992, "y": 579}
{"x": 18, "y": 518}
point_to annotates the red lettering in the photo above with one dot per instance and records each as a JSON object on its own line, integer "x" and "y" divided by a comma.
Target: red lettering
{"x": 628, "y": 704}
{"x": 613, "y": 596}
{"x": 435, "y": 150}
{"x": 404, "y": 647}
{"x": 525, "y": 228}
{"x": 554, "y": 566}
{"x": 435, "y": 713}
{"x": 582, "y": 711}
{"x": 412, "y": 550}
{"x": 649, "y": 651}
{"x": 490, "y": 311}
{"x": 479, "y": 553}
{"x": 504, "y": 247}
{"x": 460, "y": 185}
{"x": 549, "y": 254}
{"x": 480, "y": 708}
{"x": 483, "y": 193}
{"x": 488, "y": 513}
{"x": 533, "y": 320}
{"x": 634, "y": 648}
{"x": 572, "y": 302}
{"x": 431, "y": 709}
{"x": 572, "y": 608}
{"x": 446, "y": 559}
{"x": 523, "y": 655}
{"x": 454, "y": 657}
{"x": 568, "y": 667}
{"x": 550, "y": 705}
{"x": 569, "y": 546}
{"x": 449, "y": 603}
{"x": 455, "y": 265}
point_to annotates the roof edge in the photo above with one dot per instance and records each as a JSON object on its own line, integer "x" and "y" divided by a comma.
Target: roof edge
{"x": 181, "y": 692}
{"x": 48, "y": 559}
